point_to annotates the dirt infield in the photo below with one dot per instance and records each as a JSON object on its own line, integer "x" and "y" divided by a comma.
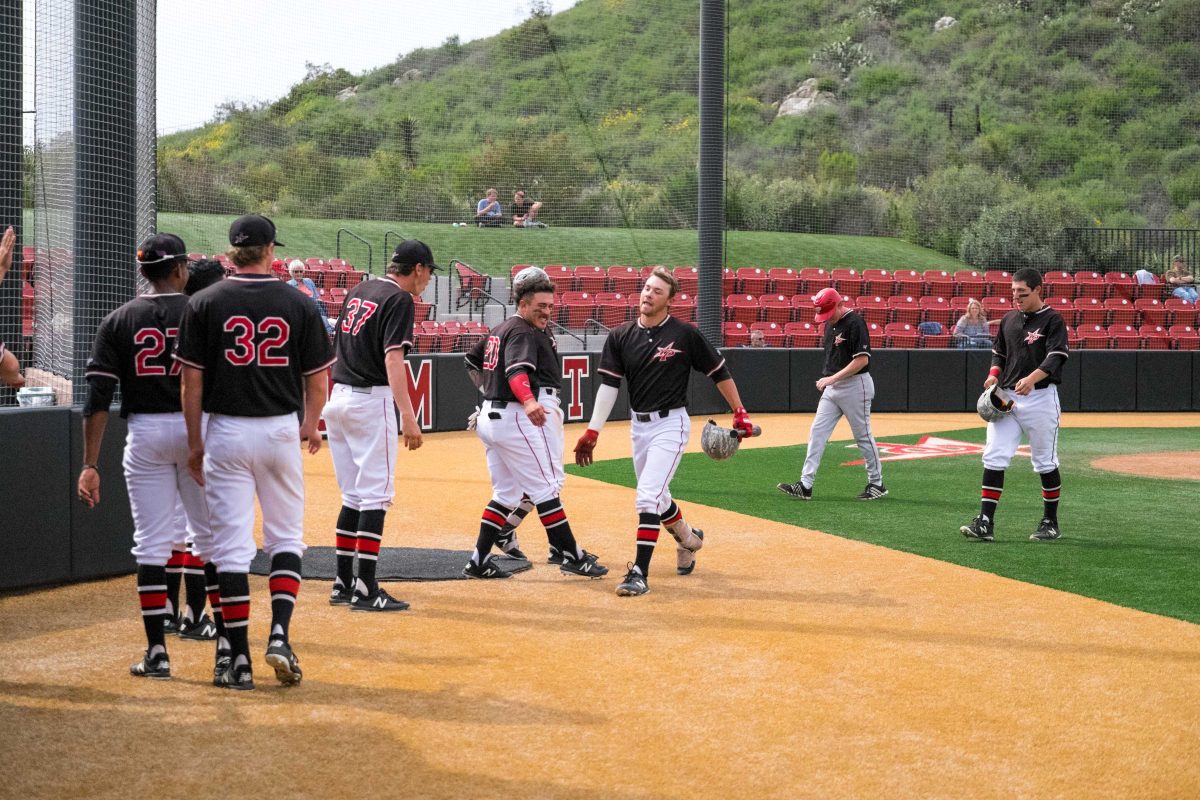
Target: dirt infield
{"x": 1178, "y": 465}
{"x": 791, "y": 664}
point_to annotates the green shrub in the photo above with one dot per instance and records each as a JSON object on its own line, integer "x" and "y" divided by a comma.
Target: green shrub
{"x": 1184, "y": 188}
{"x": 946, "y": 202}
{"x": 1027, "y": 232}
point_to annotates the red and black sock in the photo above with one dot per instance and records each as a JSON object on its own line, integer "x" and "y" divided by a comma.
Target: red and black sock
{"x": 370, "y": 539}
{"x": 285, "y": 585}
{"x": 671, "y": 515}
{"x": 194, "y": 586}
{"x": 521, "y": 511}
{"x": 174, "y": 578}
{"x": 993, "y": 487}
{"x": 235, "y": 608}
{"x": 1051, "y": 489}
{"x": 152, "y": 595}
{"x": 558, "y": 529}
{"x": 490, "y": 524}
{"x": 213, "y": 587}
{"x": 346, "y": 545}
{"x": 647, "y": 537}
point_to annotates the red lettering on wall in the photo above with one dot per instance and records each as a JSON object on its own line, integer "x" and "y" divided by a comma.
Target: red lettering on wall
{"x": 575, "y": 369}
{"x": 420, "y": 390}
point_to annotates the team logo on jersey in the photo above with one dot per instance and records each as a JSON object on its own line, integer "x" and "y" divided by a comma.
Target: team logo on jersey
{"x": 665, "y": 352}
{"x": 839, "y": 340}
{"x": 928, "y": 447}
{"x": 1032, "y": 337}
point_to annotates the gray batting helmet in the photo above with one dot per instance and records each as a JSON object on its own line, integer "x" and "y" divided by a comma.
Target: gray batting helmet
{"x": 993, "y": 404}
{"x": 718, "y": 443}
{"x": 528, "y": 275}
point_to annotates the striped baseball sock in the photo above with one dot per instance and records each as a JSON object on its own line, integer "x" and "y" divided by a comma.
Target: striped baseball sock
{"x": 520, "y": 512}
{"x": 193, "y": 586}
{"x": 346, "y": 545}
{"x": 370, "y": 537}
{"x": 647, "y": 537}
{"x": 152, "y": 595}
{"x": 235, "y": 608}
{"x": 558, "y": 529}
{"x": 676, "y": 525}
{"x": 993, "y": 487}
{"x": 173, "y": 579}
{"x": 213, "y": 587}
{"x": 490, "y": 524}
{"x": 1051, "y": 489}
{"x": 285, "y": 585}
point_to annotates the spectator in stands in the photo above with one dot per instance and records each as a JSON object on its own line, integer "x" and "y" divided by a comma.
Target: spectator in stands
{"x": 757, "y": 339}
{"x": 524, "y": 212}
{"x": 971, "y": 330}
{"x": 487, "y": 211}
{"x": 10, "y": 368}
{"x": 305, "y": 285}
{"x": 1179, "y": 278}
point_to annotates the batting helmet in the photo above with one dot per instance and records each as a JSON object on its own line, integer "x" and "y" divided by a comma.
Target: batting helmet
{"x": 826, "y": 302}
{"x": 527, "y": 277}
{"x": 718, "y": 443}
{"x": 994, "y": 404}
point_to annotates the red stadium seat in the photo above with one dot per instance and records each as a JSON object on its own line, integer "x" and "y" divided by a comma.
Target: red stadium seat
{"x": 1185, "y": 337}
{"x": 937, "y": 309}
{"x": 464, "y": 341}
{"x": 1059, "y": 284}
{"x": 742, "y": 308}
{"x": 878, "y": 282}
{"x": 314, "y": 263}
{"x": 909, "y": 283}
{"x": 737, "y": 334}
{"x": 802, "y": 308}
{"x": 1154, "y": 337}
{"x": 729, "y": 282}
{"x": 577, "y": 309}
{"x": 689, "y": 280}
{"x": 683, "y": 307}
{"x": 813, "y": 280}
{"x": 353, "y": 278}
{"x": 590, "y": 279}
{"x": 901, "y": 335}
{"x": 1125, "y": 337}
{"x": 996, "y": 307}
{"x": 611, "y": 309}
{"x": 970, "y": 283}
{"x": 427, "y": 341}
{"x": 1152, "y": 311}
{"x": 1091, "y": 284}
{"x": 802, "y": 334}
{"x": 562, "y": 277}
{"x": 1094, "y": 337}
{"x": 847, "y": 282}
{"x": 873, "y": 309}
{"x": 940, "y": 282}
{"x": 784, "y": 280}
{"x": 422, "y": 311}
{"x": 1065, "y": 308}
{"x": 999, "y": 283}
{"x": 752, "y": 280}
{"x": 624, "y": 280}
{"x": 1121, "y": 311}
{"x": 905, "y": 310}
{"x": 1090, "y": 311}
{"x": 1180, "y": 313}
{"x": 776, "y": 308}
{"x": 1121, "y": 284}
{"x": 940, "y": 341}
{"x": 337, "y": 299}
{"x": 773, "y": 333}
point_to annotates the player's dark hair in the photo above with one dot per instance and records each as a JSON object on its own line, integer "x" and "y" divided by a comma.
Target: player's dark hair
{"x": 400, "y": 269}
{"x": 202, "y": 274}
{"x": 162, "y": 270}
{"x": 666, "y": 277}
{"x": 246, "y": 256}
{"x": 1028, "y": 276}
{"x": 533, "y": 287}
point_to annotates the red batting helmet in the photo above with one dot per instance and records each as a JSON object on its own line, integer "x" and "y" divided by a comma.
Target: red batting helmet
{"x": 826, "y": 302}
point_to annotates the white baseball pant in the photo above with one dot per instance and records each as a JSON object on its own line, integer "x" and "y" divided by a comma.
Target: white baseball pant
{"x": 522, "y": 458}
{"x": 659, "y": 439}
{"x": 851, "y": 397}
{"x": 361, "y": 422}
{"x": 1037, "y": 416}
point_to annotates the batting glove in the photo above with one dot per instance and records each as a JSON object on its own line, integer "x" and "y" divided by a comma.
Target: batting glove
{"x": 585, "y": 446}
{"x": 471, "y": 420}
{"x": 741, "y": 421}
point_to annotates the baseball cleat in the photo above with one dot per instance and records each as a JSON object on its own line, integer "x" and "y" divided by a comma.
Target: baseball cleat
{"x": 281, "y": 658}
{"x": 634, "y": 583}
{"x": 516, "y": 552}
{"x": 685, "y": 559}
{"x": 485, "y": 571}
{"x": 158, "y": 667}
{"x": 224, "y": 662}
{"x": 796, "y": 489}
{"x": 202, "y": 630}
{"x": 340, "y": 596}
{"x": 171, "y": 625}
{"x": 379, "y": 600}
{"x": 239, "y": 678}
{"x": 1047, "y": 531}
{"x": 874, "y": 491}
{"x": 555, "y": 556}
{"x": 588, "y": 566}
{"x": 980, "y": 528}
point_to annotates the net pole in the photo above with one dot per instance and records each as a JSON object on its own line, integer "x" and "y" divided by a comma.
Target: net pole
{"x": 11, "y": 174}
{"x": 711, "y": 201}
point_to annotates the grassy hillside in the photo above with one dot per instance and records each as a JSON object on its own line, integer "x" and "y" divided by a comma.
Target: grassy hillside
{"x": 983, "y": 140}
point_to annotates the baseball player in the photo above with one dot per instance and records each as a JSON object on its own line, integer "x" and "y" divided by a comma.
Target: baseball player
{"x": 254, "y": 354}
{"x": 132, "y": 347}
{"x": 1027, "y": 360}
{"x": 370, "y": 381}
{"x": 656, "y": 354}
{"x": 847, "y": 388}
{"x": 520, "y": 423}
{"x": 10, "y": 368}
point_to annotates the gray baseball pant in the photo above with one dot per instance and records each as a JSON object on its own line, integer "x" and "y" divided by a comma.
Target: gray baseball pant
{"x": 852, "y": 398}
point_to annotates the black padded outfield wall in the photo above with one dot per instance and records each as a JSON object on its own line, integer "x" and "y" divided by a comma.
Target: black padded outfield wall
{"x": 50, "y": 537}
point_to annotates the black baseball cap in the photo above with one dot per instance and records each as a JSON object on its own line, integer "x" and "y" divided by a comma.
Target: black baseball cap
{"x": 252, "y": 230}
{"x": 411, "y": 252}
{"x": 160, "y": 248}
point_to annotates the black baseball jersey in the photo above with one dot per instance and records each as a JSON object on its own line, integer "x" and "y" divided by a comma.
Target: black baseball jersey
{"x": 1028, "y": 342}
{"x": 657, "y": 362}
{"x": 844, "y": 341}
{"x": 515, "y": 346}
{"x": 133, "y": 346}
{"x": 377, "y": 318}
{"x": 256, "y": 338}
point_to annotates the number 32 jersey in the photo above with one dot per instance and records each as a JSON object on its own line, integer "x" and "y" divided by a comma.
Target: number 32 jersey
{"x": 133, "y": 346}
{"x": 256, "y": 338}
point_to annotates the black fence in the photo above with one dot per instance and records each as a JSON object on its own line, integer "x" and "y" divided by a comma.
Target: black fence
{"x": 1131, "y": 249}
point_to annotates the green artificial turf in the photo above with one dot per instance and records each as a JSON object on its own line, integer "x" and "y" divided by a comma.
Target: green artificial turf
{"x": 1126, "y": 540}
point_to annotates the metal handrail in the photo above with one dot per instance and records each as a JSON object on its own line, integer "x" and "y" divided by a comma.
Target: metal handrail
{"x": 487, "y": 283}
{"x": 491, "y": 298}
{"x": 593, "y": 327}
{"x": 370, "y": 249}
{"x": 397, "y": 234}
{"x": 560, "y": 329}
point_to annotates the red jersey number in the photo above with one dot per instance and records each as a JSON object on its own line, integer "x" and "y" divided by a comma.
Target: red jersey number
{"x": 152, "y": 343}
{"x": 272, "y": 334}
{"x": 362, "y": 309}
{"x": 491, "y": 353}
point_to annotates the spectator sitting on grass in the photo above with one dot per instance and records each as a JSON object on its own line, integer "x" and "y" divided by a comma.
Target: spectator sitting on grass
{"x": 971, "y": 330}
{"x": 1179, "y": 278}
{"x": 524, "y": 213}
{"x": 487, "y": 211}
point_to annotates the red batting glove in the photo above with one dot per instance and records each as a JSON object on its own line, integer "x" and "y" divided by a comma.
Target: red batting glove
{"x": 741, "y": 421}
{"x": 585, "y": 446}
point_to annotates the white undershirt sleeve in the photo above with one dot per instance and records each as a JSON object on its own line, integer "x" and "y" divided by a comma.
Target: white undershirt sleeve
{"x": 606, "y": 398}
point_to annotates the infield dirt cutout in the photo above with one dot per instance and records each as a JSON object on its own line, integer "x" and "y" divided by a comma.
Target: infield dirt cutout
{"x": 1176, "y": 464}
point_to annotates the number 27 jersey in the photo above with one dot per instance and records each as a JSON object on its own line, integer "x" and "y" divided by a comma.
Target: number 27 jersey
{"x": 133, "y": 346}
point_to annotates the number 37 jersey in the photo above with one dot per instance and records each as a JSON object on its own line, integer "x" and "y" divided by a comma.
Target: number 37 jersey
{"x": 133, "y": 346}
{"x": 256, "y": 338}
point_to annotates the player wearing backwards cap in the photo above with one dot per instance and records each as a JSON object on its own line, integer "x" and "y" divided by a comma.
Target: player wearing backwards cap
{"x": 521, "y": 426}
{"x": 656, "y": 353}
{"x": 1027, "y": 360}
{"x": 133, "y": 347}
{"x": 370, "y": 381}
{"x": 846, "y": 389}
{"x": 254, "y": 353}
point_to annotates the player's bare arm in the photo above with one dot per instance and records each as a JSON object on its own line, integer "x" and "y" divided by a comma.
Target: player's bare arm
{"x": 316, "y": 388}
{"x": 191, "y": 395}
{"x": 1026, "y": 385}
{"x": 7, "y": 243}
{"x": 89, "y": 477}
{"x": 398, "y": 381}
{"x": 853, "y": 368}
{"x": 10, "y": 370}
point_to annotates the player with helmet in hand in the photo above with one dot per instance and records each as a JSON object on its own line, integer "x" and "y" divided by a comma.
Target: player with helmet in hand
{"x": 521, "y": 426}
{"x": 254, "y": 355}
{"x": 133, "y": 348}
{"x": 656, "y": 354}
{"x": 847, "y": 389}
{"x": 1027, "y": 360}
{"x": 370, "y": 382}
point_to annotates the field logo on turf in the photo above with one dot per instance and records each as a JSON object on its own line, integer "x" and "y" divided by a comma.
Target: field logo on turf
{"x": 928, "y": 447}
